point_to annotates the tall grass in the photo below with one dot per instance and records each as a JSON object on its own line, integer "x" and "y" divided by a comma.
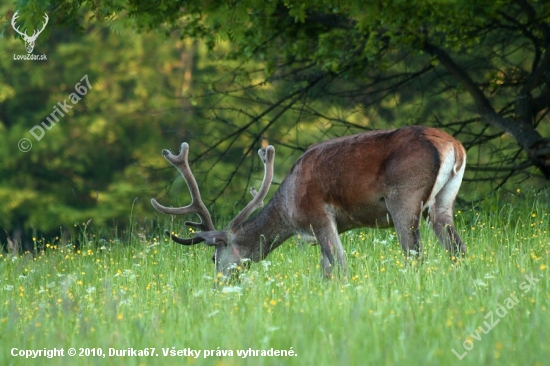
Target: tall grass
{"x": 156, "y": 294}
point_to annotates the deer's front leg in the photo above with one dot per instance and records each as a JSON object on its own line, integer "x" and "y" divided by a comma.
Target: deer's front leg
{"x": 331, "y": 247}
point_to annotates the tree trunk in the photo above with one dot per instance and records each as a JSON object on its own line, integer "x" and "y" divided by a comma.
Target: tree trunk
{"x": 522, "y": 128}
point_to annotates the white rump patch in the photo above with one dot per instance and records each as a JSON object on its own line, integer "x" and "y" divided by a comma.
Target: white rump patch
{"x": 447, "y": 170}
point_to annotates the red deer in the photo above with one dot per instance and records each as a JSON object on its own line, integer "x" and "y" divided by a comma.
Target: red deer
{"x": 375, "y": 179}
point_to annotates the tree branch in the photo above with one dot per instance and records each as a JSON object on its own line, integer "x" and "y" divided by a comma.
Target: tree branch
{"x": 522, "y": 130}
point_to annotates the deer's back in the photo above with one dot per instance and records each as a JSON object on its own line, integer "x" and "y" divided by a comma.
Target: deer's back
{"x": 351, "y": 177}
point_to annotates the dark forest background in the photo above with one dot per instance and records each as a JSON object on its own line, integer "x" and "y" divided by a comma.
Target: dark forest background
{"x": 229, "y": 77}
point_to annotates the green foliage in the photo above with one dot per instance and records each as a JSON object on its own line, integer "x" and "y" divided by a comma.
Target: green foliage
{"x": 101, "y": 160}
{"x": 228, "y": 77}
{"x": 100, "y": 156}
{"x": 253, "y": 24}
{"x": 375, "y": 58}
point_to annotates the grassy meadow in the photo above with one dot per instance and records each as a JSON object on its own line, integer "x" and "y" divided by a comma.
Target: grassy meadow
{"x": 492, "y": 308}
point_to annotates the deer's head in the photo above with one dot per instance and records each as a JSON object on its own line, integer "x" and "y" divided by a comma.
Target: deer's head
{"x": 231, "y": 251}
{"x": 29, "y": 40}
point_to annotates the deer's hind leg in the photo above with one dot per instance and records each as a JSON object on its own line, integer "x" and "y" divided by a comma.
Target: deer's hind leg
{"x": 406, "y": 212}
{"x": 442, "y": 218}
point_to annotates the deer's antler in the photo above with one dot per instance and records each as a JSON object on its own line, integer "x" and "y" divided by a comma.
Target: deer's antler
{"x": 268, "y": 157}
{"x": 181, "y": 163}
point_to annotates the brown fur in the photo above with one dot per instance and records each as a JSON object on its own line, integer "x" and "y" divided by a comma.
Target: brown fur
{"x": 374, "y": 179}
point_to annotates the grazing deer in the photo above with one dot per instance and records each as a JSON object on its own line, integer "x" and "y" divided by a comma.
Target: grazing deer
{"x": 374, "y": 179}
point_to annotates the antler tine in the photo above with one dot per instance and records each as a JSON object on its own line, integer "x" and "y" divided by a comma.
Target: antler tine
{"x": 182, "y": 241}
{"x": 181, "y": 163}
{"x": 268, "y": 157}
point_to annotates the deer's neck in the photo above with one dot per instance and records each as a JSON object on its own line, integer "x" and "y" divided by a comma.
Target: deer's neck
{"x": 267, "y": 230}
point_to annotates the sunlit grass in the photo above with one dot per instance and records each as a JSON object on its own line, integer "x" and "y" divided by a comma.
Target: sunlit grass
{"x": 156, "y": 294}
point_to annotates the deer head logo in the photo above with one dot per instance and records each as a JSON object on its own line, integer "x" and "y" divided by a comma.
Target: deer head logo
{"x": 29, "y": 40}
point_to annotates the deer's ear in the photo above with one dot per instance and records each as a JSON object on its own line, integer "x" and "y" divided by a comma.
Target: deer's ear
{"x": 214, "y": 237}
